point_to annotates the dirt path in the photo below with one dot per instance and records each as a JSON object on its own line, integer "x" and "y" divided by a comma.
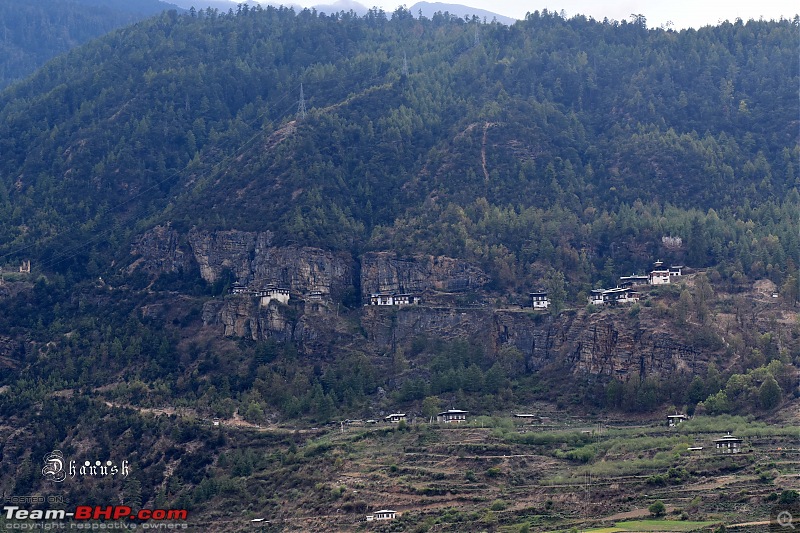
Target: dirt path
{"x": 486, "y": 127}
{"x": 152, "y": 410}
{"x": 749, "y": 524}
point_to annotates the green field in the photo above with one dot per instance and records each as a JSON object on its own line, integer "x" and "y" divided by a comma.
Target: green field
{"x": 653, "y": 525}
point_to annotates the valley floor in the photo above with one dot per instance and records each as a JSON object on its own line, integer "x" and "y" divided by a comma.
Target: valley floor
{"x": 495, "y": 474}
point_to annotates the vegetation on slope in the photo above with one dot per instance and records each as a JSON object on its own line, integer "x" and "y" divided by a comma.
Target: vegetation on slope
{"x": 34, "y": 33}
{"x": 616, "y": 134}
{"x": 554, "y": 150}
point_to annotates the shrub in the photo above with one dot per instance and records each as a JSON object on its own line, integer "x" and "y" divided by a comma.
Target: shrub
{"x": 493, "y": 472}
{"x": 658, "y": 509}
{"x": 498, "y": 505}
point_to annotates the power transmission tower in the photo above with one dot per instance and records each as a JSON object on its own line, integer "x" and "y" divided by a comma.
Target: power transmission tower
{"x": 477, "y": 31}
{"x": 405, "y": 65}
{"x": 301, "y": 106}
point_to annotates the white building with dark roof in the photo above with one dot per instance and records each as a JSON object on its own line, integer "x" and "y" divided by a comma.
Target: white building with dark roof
{"x": 383, "y": 514}
{"x": 238, "y": 288}
{"x": 676, "y": 419}
{"x": 622, "y": 295}
{"x": 269, "y": 293}
{"x": 388, "y": 298}
{"x": 728, "y": 444}
{"x": 452, "y": 416}
{"x": 539, "y": 300}
{"x": 633, "y": 280}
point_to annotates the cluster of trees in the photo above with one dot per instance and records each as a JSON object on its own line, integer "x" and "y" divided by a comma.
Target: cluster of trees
{"x": 455, "y": 369}
{"x": 759, "y": 389}
{"x": 184, "y": 118}
{"x": 554, "y": 152}
{"x": 33, "y": 33}
{"x": 754, "y": 390}
{"x": 521, "y": 246}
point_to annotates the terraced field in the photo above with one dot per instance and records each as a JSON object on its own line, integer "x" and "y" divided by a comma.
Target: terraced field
{"x": 510, "y": 477}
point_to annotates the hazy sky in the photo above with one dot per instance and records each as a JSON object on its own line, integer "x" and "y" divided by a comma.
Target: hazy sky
{"x": 682, "y": 13}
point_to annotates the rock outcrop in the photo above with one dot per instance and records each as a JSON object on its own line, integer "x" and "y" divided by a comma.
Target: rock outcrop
{"x": 249, "y": 256}
{"x": 605, "y": 344}
{"x": 387, "y": 327}
{"x": 243, "y": 317}
{"x": 612, "y": 343}
{"x": 312, "y": 326}
{"x": 385, "y": 272}
{"x": 232, "y": 250}
{"x": 159, "y": 251}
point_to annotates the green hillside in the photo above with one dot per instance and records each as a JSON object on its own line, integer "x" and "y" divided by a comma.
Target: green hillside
{"x": 548, "y": 119}
{"x": 146, "y": 172}
{"x": 35, "y": 32}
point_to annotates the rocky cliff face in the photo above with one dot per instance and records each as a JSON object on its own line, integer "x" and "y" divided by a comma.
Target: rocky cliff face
{"x": 159, "y": 250}
{"x": 313, "y": 326}
{"x": 388, "y": 327}
{"x": 304, "y": 270}
{"x": 242, "y": 317}
{"x": 250, "y": 257}
{"x": 227, "y": 250}
{"x": 384, "y": 271}
{"x": 608, "y": 343}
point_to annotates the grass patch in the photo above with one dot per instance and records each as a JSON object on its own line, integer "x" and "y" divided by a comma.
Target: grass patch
{"x": 738, "y": 425}
{"x": 652, "y": 525}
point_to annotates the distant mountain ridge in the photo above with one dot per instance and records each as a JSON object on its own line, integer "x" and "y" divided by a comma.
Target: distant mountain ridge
{"x": 38, "y": 31}
{"x": 428, "y": 9}
{"x": 343, "y": 5}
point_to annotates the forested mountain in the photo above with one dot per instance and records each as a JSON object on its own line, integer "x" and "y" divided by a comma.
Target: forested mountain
{"x": 152, "y": 171}
{"x": 607, "y": 125}
{"x": 34, "y": 32}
